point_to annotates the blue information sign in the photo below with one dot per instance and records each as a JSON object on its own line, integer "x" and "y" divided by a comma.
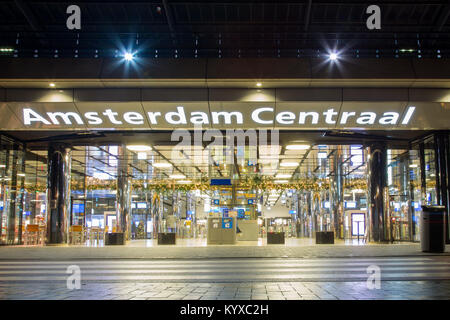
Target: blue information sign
{"x": 227, "y": 223}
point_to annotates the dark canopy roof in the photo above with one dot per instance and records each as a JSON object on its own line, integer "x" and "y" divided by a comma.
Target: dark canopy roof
{"x": 218, "y": 28}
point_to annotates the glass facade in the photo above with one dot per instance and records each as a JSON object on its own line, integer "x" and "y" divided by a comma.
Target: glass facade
{"x": 117, "y": 189}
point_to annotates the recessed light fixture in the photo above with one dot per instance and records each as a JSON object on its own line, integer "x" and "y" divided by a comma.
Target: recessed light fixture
{"x": 298, "y": 147}
{"x": 52, "y": 84}
{"x": 259, "y": 84}
{"x": 281, "y": 175}
{"x": 162, "y": 165}
{"x": 177, "y": 176}
{"x": 289, "y": 164}
{"x": 138, "y": 147}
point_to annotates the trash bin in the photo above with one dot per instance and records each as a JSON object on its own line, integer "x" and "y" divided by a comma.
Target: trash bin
{"x": 432, "y": 230}
{"x": 325, "y": 237}
{"x": 275, "y": 238}
{"x": 166, "y": 238}
{"x": 115, "y": 238}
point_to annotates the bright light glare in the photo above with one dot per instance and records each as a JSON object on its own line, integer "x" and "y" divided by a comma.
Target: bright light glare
{"x": 128, "y": 56}
{"x": 333, "y": 56}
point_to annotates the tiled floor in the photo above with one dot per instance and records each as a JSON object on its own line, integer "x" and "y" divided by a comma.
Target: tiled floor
{"x": 186, "y": 249}
{"x": 230, "y": 291}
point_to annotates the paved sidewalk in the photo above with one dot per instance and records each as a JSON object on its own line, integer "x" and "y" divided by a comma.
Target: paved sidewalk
{"x": 390, "y": 290}
{"x": 228, "y": 279}
{"x": 177, "y": 252}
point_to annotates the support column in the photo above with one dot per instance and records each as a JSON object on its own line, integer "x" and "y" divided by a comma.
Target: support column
{"x": 337, "y": 194}
{"x": 442, "y": 161}
{"x": 377, "y": 171}
{"x": 11, "y": 218}
{"x": 123, "y": 195}
{"x": 58, "y": 194}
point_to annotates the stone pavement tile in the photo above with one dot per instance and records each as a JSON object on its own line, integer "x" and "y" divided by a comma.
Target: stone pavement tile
{"x": 208, "y": 298}
{"x": 192, "y": 297}
{"x": 200, "y": 291}
{"x": 327, "y": 297}
{"x": 177, "y": 296}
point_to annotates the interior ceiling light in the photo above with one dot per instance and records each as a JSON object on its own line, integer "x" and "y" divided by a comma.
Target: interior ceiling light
{"x": 289, "y": 164}
{"x": 139, "y": 148}
{"x": 297, "y": 147}
{"x": 281, "y": 175}
{"x": 258, "y": 84}
{"x": 162, "y": 165}
{"x": 177, "y": 176}
{"x": 52, "y": 85}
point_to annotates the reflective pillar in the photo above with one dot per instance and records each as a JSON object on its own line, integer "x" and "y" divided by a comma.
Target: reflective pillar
{"x": 442, "y": 160}
{"x": 58, "y": 193}
{"x": 337, "y": 193}
{"x": 11, "y": 218}
{"x": 123, "y": 195}
{"x": 377, "y": 178}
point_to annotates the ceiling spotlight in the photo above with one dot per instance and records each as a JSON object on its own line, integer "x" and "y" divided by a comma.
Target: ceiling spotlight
{"x": 52, "y": 85}
{"x": 258, "y": 84}
{"x": 139, "y": 148}
{"x": 298, "y": 147}
{"x": 334, "y": 56}
{"x": 128, "y": 56}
